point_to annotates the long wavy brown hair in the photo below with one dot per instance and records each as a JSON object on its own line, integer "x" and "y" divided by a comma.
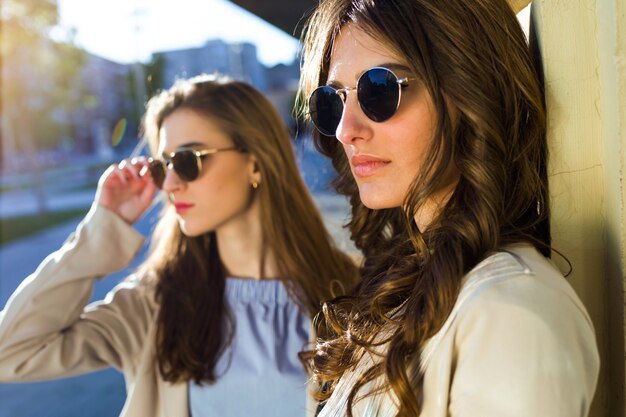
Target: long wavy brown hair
{"x": 473, "y": 58}
{"x": 194, "y": 323}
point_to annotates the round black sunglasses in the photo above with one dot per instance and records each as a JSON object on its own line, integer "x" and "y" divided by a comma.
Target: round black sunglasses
{"x": 378, "y": 91}
{"x": 187, "y": 163}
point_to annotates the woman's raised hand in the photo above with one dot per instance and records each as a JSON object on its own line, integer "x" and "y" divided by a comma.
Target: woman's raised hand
{"x": 126, "y": 189}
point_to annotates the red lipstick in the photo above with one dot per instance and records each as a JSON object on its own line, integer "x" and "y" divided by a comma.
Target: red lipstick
{"x": 182, "y": 207}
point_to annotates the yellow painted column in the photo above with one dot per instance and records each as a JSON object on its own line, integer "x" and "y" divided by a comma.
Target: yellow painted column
{"x": 582, "y": 51}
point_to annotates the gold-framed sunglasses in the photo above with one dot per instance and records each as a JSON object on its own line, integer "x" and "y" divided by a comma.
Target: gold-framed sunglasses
{"x": 187, "y": 163}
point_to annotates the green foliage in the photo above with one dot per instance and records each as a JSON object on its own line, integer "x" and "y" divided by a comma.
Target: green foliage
{"x": 24, "y": 22}
{"x": 14, "y": 228}
{"x": 41, "y": 84}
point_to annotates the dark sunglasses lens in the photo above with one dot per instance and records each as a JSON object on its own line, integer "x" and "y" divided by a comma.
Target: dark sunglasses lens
{"x": 326, "y": 110}
{"x": 157, "y": 172}
{"x": 186, "y": 165}
{"x": 378, "y": 92}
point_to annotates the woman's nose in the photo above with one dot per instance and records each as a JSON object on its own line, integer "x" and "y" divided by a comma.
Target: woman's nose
{"x": 354, "y": 125}
{"x": 172, "y": 181}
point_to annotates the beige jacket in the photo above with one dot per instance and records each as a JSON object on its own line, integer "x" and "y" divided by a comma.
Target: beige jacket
{"x": 518, "y": 343}
{"x": 47, "y": 331}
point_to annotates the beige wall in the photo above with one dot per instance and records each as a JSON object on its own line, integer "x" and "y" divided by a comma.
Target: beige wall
{"x": 583, "y": 49}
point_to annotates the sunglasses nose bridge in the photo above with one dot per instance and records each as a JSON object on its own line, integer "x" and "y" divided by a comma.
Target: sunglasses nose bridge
{"x": 343, "y": 93}
{"x": 353, "y": 124}
{"x": 171, "y": 180}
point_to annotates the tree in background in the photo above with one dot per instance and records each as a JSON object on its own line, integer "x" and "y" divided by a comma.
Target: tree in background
{"x": 41, "y": 81}
{"x": 40, "y": 84}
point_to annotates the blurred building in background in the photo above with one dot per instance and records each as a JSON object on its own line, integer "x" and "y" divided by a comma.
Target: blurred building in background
{"x": 109, "y": 99}
{"x": 238, "y": 60}
{"x": 282, "y": 85}
{"x": 103, "y": 93}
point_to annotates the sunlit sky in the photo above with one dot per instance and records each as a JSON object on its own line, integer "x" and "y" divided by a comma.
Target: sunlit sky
{"x": 130, "y": 30}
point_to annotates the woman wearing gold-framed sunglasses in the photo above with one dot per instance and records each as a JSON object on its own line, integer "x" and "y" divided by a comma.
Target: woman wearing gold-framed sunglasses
{"x": 211, "y": 323}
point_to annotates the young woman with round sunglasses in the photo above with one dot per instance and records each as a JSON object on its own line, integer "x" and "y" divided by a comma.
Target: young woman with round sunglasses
{"x": 433, "y": 115}
{"x": 212, "y": 322}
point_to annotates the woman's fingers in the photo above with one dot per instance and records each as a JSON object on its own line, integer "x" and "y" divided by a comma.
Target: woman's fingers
{"x": 132, "y": 170}
{"x": 125, "y": 179}
{"x": 127, "y": 189}
{"x": 145, "y": 170}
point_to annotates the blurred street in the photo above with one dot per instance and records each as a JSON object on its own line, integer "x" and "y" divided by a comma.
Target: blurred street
{"x": 99, "y": 394}
{"x": 69, "y": 110}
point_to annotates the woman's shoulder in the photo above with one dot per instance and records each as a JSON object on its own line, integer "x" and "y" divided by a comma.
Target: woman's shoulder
{"x": 522, "y": 278}
{"x": 516, "y": 304}
{"x": 520, "y": 293}
{"x": 517, "y": 290}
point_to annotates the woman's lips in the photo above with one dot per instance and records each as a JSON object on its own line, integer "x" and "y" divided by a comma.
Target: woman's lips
{"x": 367, "y": 165}
{"x": 182, "y": 207}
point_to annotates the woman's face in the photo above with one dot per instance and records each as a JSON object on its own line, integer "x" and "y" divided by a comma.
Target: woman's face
{"x": 384, "y": 157}
{"x": 222, "y": 194}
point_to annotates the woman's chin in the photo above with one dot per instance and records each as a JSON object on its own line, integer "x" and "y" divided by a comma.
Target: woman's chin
{"x": 188, "y": 230}
{"x": 377, "y": 200}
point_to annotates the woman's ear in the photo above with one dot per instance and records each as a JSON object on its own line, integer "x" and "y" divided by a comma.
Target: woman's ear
{"x": 254, "y": 173}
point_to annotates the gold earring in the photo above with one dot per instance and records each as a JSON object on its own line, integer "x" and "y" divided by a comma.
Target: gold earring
{"x": 255, "y": 185}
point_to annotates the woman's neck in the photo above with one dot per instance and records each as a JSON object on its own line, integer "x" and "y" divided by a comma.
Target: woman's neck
{"x": 242, "y": 250}
{"x": 435, "y": 205}
{"x": 437, "y": 201}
